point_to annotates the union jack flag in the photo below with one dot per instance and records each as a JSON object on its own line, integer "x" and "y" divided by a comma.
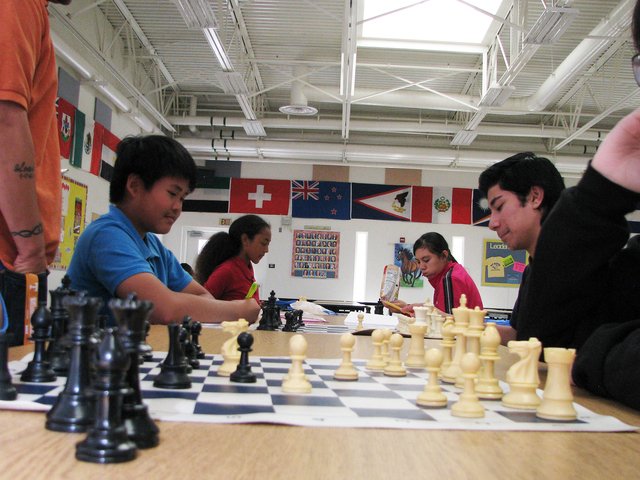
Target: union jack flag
{"x": 305, "y": 190}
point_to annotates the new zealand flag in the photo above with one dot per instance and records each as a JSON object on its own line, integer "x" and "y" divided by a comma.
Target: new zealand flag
{"x": 315, "y": 199}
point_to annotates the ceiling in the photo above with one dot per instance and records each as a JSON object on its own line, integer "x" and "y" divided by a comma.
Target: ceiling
{"x": 406, "y": 108}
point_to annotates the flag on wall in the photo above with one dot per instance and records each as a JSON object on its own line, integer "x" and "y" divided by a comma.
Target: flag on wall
{"x": 452, "y": 205}
{"x": 421, "y": 210}
{"x": 108, "y": 159}
{"x": 209, "y": 199}
{"x": 266, "y": 197}
{"x": 78, "y": 133}
{"x": 311, "y": 199}
{"x": 96, "y": 152}
{"x": 381, "y": 202}
{"x": 65, "y": 114}
{"x": 481, "y": 212}
{"x": 88, "y": 141}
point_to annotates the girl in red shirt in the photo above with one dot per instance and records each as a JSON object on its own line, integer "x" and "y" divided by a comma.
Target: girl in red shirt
{"x": 224, "y": 265}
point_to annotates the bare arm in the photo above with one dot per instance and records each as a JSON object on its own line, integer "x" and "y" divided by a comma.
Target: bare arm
{"x": 194, "y": 301}
{"x": 618, "y": 158}
{"x": 18, "y": 201}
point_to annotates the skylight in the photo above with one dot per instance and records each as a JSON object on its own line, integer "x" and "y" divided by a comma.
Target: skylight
{"x": 432, "y": 24}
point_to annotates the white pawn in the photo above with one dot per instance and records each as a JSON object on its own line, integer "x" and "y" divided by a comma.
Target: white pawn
{"x": 376, "y": 362}
{"x": 360, "y": 320}
{"x": 395, "y": 368}
{"x": 346, "y": 370}
{"x": 468, "y": 406}
{"x": 557, "y": 398}
{"x": 385, "y": 345}
{"x": 432, "y": 395}
{"x": 296, "y": 381}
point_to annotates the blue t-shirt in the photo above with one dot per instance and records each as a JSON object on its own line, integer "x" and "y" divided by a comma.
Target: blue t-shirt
{"x": 110, "y": 250}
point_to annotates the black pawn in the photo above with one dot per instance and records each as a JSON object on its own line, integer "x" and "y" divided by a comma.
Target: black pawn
{"x": 74, "y": 410}
{"x": 107, "y": 440}
{"x": 196, "y": 330}
{"x": 189, "y": 350}
{"x": 131, "y": 315}
{"x": 243, "y": 373}
{"x": 146, "y": 351}
{"x": 270, "y": 315}
{"x": 173, "y": 370}
{"x": 39, "y": 369}
{"x": 58, "y": 350}
{"x": 7, "y": 390}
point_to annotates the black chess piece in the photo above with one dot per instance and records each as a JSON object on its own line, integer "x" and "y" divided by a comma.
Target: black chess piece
{"x": 131, "y": 316}
{"x": 7, "y": 390}
{"x": 243, "y": 373}
{"x": 74, "y": 409}
{"x": 188, "y": 348}
{"x": 196, "y": 330}
{"x": 58, "y": 350}
{"x": 107, "y": 439}
{"x": 182, "y": 337}
{"x": 39, "y": 369}
{"x": 379, "y": 308}
{"x": 173, "y": 370}
{"x": 270, "y": 315}
{"x": 290, "y": 324}
{"x": 146, "y": 351}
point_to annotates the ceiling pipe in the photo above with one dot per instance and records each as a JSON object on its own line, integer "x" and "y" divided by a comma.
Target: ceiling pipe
{"x": 422, "y": 128}
{"x": 374, "y": 154}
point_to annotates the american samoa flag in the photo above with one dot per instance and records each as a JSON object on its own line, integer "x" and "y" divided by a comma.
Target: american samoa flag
{"x": 305, "y": 190}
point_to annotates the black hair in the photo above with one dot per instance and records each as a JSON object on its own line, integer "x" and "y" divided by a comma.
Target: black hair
{"x": 519, "y": 173}
{"x": 222, "y": 246}
{"x": 151, "y": 157}
{"x": 435, "y": 243}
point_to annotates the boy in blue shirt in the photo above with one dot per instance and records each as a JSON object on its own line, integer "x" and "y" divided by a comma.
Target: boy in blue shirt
{"x": 118, "y": 254}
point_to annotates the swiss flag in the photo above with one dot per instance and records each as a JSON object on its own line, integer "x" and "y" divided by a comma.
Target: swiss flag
{"x": 266, "y": 197}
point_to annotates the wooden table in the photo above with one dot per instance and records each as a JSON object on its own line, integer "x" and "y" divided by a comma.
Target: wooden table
{"x": 222, "y": 451}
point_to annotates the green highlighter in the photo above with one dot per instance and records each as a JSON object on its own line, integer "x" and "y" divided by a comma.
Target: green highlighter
{"x": 252, "y": 290}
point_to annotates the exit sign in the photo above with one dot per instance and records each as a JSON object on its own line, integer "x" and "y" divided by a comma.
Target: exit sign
{"x": 225, "y": 221}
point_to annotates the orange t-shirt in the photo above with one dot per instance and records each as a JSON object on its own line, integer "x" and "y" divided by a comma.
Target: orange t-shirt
{"x": 28, "y": 77}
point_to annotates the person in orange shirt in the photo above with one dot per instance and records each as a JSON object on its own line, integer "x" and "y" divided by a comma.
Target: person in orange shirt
{"x": 30, "y": 210}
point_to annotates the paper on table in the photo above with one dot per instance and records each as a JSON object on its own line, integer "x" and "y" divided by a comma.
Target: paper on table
{"x": 372, "y": 320}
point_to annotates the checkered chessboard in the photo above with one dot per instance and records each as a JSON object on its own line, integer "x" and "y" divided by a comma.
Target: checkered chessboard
{"x": 373, "y": 401}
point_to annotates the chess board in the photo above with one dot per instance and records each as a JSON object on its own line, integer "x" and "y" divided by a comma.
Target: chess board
{"x": 373, "y": 401}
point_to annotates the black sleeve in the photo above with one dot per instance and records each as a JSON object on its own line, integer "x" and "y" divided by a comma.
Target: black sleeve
{"x": 608, "y": 364}
{"x": 567, "y": 285}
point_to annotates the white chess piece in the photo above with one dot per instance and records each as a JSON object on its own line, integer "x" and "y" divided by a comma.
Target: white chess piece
{"x": 522, "y": 376}
{"x": 488, "y": 386}
{"x": 360, "y": 320}
{"x": 296, "y": 380}
{"x": 432, "y": 395}
{"x": 376, "y": 362}
{"x": 346, "y": 370}
{"x": 416, "y": 356}
{"x": 385, "y": 345}
{"x": 469, "y": 405}
{"x": 557, "y": 398}
{"x": 395, "y": 368}
{"x": 229, "y": 350}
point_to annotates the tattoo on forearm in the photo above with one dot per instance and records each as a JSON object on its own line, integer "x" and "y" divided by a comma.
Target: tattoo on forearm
{"x": 25, "y": 171}
{"x": 37, "y": 230}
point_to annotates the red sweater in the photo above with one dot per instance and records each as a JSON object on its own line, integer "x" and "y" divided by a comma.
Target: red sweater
{"x": 231, "y": 280}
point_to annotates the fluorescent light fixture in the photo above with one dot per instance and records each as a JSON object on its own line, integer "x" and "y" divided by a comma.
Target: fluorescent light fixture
{"x": 232, "y": 82}
{"x": 551, "y": 25}
{"x": 246, "y": 107}
{"x": 464, "y": 138}
{"x": 218, "y": 49}
{"x": 496, "y": 95}
{"x": 254, "y": 128}
{"x": 197, "y": 13}
{"x": 142, "y": 121}
{"x": 476, "y": 119}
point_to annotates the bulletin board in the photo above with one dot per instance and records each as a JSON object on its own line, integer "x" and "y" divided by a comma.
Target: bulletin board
{"x": 74, "y": 204}
{"x": 315, "y": 254}
{"x": 502, "y": 267}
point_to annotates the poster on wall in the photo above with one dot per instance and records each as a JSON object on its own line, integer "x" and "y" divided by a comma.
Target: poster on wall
{"x": 74, "y": 204}
{"x": 502, "y": 267}
{"x": 315, "y": 254}
{"x": 411, "y": 276}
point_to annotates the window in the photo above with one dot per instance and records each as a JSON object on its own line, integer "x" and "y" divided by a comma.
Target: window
{"x": 360, "y": 266}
